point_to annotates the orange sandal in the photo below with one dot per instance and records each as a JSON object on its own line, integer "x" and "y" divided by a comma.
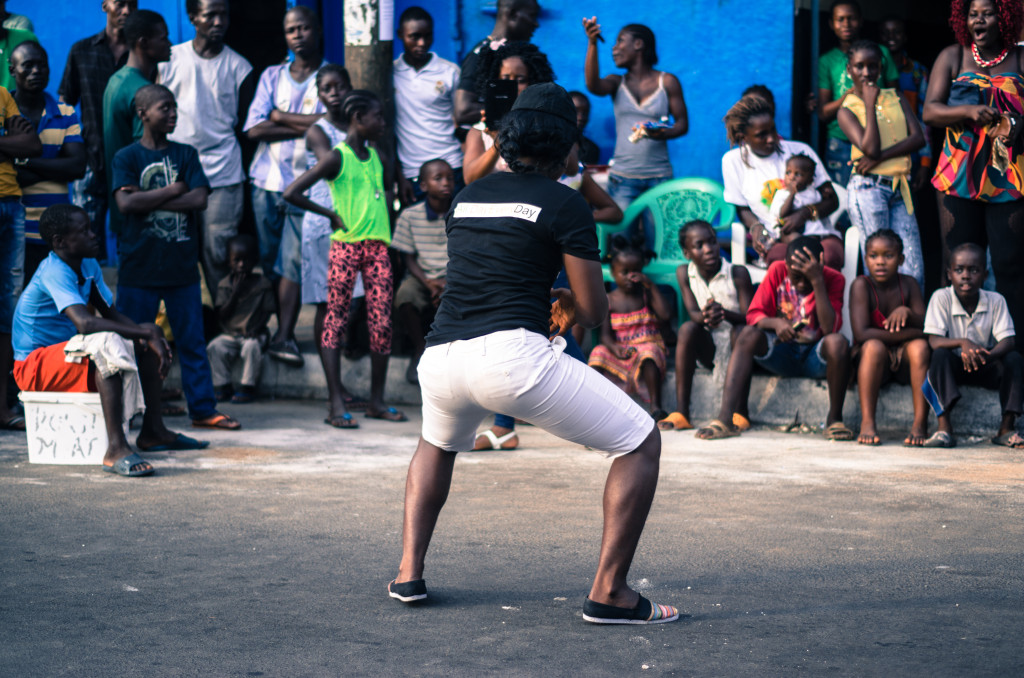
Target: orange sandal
{"x": 676, "y": 421}
{"x": 219, "y": 421}
{"x": 740, "y": 422}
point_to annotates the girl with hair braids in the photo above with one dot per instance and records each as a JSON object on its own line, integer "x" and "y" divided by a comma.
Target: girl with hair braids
{"x": 362, "y": 232}
{"x": 754, "y": 171}
{"x": 977, "y": 93}
{"x": 641, "y": 96}
{"x": 519, "y": 61}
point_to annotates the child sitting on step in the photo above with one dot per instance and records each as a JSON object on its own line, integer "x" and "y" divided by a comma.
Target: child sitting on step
{"x": 632, "y": 351}
{"x": 716, "y": 295}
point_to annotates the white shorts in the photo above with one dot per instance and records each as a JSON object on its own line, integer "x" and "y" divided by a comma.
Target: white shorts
{"x": 524, "y": 375}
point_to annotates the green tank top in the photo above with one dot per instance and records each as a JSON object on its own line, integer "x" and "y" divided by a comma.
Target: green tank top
{"x": 358, "y": 196}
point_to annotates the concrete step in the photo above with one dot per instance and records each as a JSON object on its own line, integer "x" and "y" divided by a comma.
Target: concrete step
{"x": 773, "y": 400}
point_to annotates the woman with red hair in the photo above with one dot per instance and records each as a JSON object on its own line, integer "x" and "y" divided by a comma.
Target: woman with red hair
{"x": 977, "y": 93}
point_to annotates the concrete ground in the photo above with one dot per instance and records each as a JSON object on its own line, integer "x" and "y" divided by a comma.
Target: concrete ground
{"x": 268, "y": 555}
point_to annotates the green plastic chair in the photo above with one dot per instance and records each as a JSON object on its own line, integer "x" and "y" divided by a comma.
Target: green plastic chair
{"x": 672, "y": 204}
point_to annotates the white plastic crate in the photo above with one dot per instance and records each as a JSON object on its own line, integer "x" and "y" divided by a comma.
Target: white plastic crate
{"x": 65, "y": 428}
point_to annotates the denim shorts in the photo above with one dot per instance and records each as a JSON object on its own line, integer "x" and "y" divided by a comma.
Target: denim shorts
{"x": 529, "y": 377}
{"x": 790, "y": 359}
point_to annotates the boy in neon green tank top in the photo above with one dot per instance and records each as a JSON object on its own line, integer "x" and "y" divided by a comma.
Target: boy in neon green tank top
{"x": 362, "y": 232}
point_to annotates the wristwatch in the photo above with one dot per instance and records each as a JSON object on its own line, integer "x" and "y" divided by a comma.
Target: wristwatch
{"x": 18, "y": 162}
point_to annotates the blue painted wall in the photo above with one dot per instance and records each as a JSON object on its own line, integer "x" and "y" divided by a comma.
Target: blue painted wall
{"x": 715, "y": 47}
{"x": 61, "y": 23}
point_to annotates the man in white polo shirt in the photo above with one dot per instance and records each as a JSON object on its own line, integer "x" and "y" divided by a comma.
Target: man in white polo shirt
{"x": 424, "y": 104}
{"x": 210, "y": 81}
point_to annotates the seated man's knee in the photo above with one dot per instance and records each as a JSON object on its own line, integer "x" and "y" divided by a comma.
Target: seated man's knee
{"x": 688, "y": 330}
{"x": 749, "y": 338}
{"x": 873, "y": 349}
{"x": 1013, "y": 362}
{"x": 835, "y": 345}
{"x": 918, "y": 352}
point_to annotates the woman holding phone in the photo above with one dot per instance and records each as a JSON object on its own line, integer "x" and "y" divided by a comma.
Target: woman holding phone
{"x": 520, "y": 62}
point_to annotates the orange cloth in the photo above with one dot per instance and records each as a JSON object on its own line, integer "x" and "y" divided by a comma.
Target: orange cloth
{"x": 45, "y": 370}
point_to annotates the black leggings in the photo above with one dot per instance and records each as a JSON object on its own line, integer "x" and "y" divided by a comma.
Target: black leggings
{"x": 1000, "y": 225}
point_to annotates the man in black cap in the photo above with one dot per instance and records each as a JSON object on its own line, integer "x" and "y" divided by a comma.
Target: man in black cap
{"x": 490, "y": 350}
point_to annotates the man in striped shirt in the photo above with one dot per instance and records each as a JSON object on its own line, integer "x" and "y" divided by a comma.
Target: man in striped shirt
{"x": 44, "y": 180}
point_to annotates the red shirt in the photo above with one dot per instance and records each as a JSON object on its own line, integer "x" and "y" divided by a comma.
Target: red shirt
{"x": 777, "y": 298}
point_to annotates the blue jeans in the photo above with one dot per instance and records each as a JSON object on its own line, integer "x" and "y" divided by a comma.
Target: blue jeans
{"x": 873, "y": 204}
{"x": 790, "y": 359}
{"x": 837, "y": 160}
{"x": 185, "y": 314}
{"x": 279, "y": 227}
{"x": 624, "y": 190}
{"x": 12, "y": 259}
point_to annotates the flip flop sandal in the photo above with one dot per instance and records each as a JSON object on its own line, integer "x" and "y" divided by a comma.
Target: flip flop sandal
{"x": 1012, "y": 440}
{"x": 218, "y": 421}
{"x": 496, "y": 442}
{"x": 390, "y": 414}
{"x": 676, "y": 421}
{"x": 645, "y": 612}
{"x": 875, "y": 442}
{"x": 838, "y": 431}
{"x": 180, "y": 443}
{"x": 740, "y": 422}
{"x": 408, "y": 591}
{"x": 123, "y": 467}
{"x": 716, "y": 430}
{"x": 342, "y": 421}
{"x": 940, "y": 439}
{"x": 15, "y": 423}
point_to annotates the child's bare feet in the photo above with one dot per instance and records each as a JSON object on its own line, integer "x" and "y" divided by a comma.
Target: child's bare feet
{"x": 916, "y": 438}
{"x": 868, "y": 436}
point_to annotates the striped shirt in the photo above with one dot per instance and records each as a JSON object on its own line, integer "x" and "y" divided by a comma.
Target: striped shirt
{"x": 8, "y": 178}
{"x": 420, "y": 231}
{"x": 59, "y": 125}
{"x": 277, "y": 163}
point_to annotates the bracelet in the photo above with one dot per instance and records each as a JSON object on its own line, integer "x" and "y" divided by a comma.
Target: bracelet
{"x": 813, "y": 209}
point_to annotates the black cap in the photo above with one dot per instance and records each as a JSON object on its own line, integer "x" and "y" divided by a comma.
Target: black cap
{"x": 547, "y": 97}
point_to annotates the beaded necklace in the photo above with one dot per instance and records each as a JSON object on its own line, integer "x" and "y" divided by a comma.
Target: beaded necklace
{"x": 990, "y": 63}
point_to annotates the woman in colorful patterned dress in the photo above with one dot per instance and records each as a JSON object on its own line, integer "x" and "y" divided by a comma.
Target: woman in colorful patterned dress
{"x": 977, "y": 94}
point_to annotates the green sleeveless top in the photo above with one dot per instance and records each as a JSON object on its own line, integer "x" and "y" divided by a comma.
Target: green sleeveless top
{"x": 358, "y": 196}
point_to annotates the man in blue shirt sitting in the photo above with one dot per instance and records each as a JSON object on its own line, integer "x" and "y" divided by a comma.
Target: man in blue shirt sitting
{"x": 54, "y": 308}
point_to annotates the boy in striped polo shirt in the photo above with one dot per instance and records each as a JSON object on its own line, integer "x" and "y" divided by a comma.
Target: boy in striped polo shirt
{"x": 421, "y": 238}
{"x": 44, "y": 180}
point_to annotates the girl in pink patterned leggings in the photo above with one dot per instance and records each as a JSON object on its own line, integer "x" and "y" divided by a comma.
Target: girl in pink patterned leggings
{"x": 362, "y": 232}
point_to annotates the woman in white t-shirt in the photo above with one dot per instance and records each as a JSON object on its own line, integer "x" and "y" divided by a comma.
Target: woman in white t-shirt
{"x": 754, "y": 171}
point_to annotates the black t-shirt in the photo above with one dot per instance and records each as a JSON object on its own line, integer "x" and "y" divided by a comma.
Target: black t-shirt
{"x": 470, "y": 70}
{"x": 161, "y": 248}
{"x": 506, "y": 236}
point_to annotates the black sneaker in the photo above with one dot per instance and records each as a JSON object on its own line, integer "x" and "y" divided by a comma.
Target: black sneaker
{"x": 286, "y": 352}
{"x": 409, "y": 591}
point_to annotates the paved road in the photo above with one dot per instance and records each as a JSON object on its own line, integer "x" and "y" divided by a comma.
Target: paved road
{"x": 268, "y": 554}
